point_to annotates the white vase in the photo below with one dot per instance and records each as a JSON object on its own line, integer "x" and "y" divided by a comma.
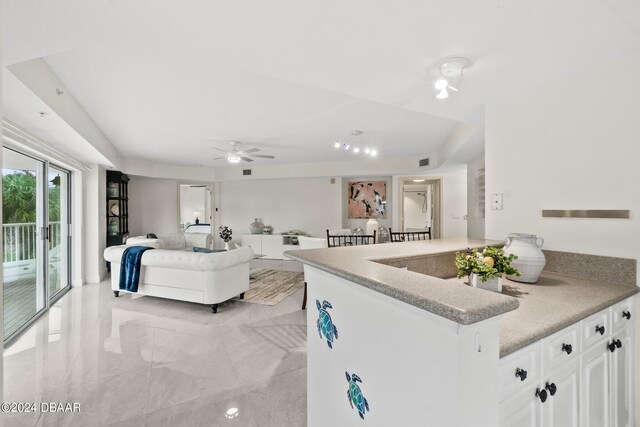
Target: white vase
{"x": 494, "y": 284}
{"x": 531, "y": 260}
{"x": 372, "y": 225}
{"x": 227, "y": 246}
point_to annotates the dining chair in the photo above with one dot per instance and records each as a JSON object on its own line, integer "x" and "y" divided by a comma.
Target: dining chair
{"x": 410, "y": 236}
{"x": 335, "y": 240}
{"x": 310, "y": 243}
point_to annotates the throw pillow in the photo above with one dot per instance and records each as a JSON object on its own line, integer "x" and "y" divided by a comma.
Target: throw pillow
{"x": 151, "y": 236}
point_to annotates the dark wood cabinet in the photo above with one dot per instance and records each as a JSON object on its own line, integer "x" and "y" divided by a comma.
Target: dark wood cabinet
{"x": 117, "y": 208}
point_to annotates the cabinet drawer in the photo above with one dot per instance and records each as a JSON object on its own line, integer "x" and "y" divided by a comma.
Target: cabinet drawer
{"x": 622, "y": 314}
{"x": 561, "y": 347}
{"x": 526, "y": 361}
{"x": 595, "y": 329}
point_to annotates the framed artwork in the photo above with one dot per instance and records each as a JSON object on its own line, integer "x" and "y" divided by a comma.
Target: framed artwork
{"x": 367, "y": 199}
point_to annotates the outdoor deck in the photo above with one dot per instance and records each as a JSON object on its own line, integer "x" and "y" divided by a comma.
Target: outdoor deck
{"x": 20, "y": 302}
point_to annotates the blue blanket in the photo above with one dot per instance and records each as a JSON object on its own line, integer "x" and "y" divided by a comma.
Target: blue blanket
{"x": 130, "y": 267}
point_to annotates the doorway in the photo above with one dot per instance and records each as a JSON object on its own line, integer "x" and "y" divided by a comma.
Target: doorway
{"x": 421, "y": 205}
{"x": 196, "y": 207}
{"x": 37, "y": 246}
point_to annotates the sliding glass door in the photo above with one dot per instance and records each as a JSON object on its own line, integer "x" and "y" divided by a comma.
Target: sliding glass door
{"x": 58, "y": 231}
{"x": 35, "y": 236}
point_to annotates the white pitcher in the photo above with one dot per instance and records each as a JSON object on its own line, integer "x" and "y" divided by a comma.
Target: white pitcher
{"x": 531, "y": 260}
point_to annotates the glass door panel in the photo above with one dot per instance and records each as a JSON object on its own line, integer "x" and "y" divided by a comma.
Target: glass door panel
{"x": 22, "y": 212}
{"x": 58, "y": 231}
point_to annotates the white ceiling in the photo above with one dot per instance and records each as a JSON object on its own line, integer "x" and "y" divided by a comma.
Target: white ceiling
{"x": 166, "y": 80}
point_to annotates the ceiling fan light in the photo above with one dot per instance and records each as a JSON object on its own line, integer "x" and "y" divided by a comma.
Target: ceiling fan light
{"x": 233, "y": 158}
{"x": 441, "y": 84}
{"x": 443, "y": 94}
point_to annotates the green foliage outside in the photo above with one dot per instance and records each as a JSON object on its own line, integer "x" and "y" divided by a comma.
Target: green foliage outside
{"x": 19, "y": 197}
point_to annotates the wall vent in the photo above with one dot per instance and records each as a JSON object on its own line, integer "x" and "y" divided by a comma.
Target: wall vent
{"x": 424, "y": 162}
{"x": 246, "y": 172}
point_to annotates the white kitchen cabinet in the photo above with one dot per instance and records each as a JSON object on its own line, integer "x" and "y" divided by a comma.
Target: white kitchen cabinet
{"x": 622, "y": 378}
{"x": 522, "y": 409}
{"x": 595, "y": 398}
{"x": 563, "y": 403}
{"x": 592, "y": 384}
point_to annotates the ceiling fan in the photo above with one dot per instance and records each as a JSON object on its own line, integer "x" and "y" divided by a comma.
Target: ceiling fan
{"x": 235, "y": 156}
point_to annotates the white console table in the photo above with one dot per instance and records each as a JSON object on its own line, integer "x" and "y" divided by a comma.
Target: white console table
{"x": 272, "y": 246}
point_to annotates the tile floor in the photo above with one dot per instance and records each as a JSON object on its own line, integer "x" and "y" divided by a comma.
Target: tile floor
{"x": 143, "y": 361}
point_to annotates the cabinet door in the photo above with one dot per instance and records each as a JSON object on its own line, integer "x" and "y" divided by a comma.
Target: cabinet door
{"x": 522, "y": 409}
{"x": 594, "y": 397}
{"x": 272, "y": 247}
{"x": 561, "y": 409}
{"x": 254, "y": 241}
{"x": 622, "y": 380}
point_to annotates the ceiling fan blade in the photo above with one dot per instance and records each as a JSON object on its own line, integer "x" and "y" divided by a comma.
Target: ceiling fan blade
{"x": 246, "y": 159}
{"x": 264, "y": 156}
{"x": 219, "y": 149}
{"x": 218, "y": 158}
{"x": 251, "y": 150}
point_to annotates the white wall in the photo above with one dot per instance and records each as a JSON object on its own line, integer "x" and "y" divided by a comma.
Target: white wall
{"x": 475, "y": 218}
{"x": 153, "y": 205}
{"x": 94, "y": 222}
{"x": 573, "y": 144}
{"x": 309, "y": 204}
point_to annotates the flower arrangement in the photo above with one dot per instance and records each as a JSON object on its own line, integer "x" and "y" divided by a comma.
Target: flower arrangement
{"x": 225, "y": 233}
{"x": 486, "y": 264}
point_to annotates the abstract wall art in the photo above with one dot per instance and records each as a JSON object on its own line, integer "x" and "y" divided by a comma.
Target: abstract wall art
{"x": 367, "y": 199}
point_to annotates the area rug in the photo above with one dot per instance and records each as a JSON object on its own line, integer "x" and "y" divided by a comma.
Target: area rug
{"x": 269, "y": 287}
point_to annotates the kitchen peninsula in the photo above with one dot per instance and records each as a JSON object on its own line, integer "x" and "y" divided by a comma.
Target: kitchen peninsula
{"x": 393, "y": 339}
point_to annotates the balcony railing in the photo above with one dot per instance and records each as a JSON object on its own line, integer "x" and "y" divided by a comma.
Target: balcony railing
{"x": 20, "y": 240}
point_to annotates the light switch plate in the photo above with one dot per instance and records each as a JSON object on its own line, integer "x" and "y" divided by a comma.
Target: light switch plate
{"x": 496, "y": 201}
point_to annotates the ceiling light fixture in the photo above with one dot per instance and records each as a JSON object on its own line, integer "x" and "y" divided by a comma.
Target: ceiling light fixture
{"x": 233, "y": 158}
{"x": 374, "y": 153}
{"x": 345, "y": 146}
{"x": 450, "y": 73}
{"x": 337, "y": 144}
{"x": 356, "y": 149}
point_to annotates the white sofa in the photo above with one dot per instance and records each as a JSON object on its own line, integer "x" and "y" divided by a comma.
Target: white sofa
{"x": 205, "y": 278}
{"x": 173, "y": 241}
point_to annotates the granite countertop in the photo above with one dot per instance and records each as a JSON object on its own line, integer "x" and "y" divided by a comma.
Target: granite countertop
{"x": 555, "y": 302}
{"x": 530, "y": 311}
{"x": 453, "y": 301}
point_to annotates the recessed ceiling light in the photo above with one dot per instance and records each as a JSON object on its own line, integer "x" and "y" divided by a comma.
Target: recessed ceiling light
{"x": 419, "y": 180}
{"x": 356, "y": 132}
{"x": 356, "y": 149}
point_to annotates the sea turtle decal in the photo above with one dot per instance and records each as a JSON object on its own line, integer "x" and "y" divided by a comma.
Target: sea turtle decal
{"x": 354, "y": 394}
{"x": 325, "y": 324}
